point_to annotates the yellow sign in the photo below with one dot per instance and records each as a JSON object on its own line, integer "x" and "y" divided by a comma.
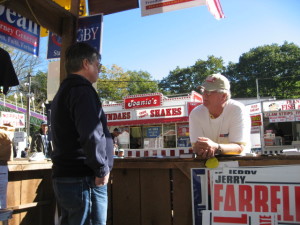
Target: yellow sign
{"x": 67, "y": 5}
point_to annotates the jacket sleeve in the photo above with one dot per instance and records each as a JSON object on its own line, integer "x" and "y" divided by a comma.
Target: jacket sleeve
{"x": 86, "y": 113}
{"x": 33, "y": 145}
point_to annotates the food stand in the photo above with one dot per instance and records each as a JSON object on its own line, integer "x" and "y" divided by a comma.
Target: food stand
{"x": 276, "y": 125}
{"x": 153, "y": 125}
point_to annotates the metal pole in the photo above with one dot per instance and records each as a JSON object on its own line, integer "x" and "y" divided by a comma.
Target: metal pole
{"x": 28, "y": 108}
{"x": 257, "y": 90}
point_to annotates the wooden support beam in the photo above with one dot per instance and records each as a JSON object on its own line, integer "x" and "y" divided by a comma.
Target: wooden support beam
{"x": 69, "y": 35}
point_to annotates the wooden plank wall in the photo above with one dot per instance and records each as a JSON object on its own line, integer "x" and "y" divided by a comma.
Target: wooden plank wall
{"x": 31, "y": 197}
{"x": 141, "y": 191}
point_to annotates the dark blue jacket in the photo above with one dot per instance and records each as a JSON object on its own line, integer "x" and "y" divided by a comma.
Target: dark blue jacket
{"x": 82, "y": 144}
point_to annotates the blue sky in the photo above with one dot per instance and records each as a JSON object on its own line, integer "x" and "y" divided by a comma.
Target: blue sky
{"x": 159, "y": 43}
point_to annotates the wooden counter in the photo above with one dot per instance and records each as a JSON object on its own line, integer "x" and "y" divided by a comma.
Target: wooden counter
{"x": 29, "y": 192}
{"x": 142, "y": 191}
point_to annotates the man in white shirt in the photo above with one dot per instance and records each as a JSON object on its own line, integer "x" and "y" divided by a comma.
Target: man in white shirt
{"x": 220, "y": 125}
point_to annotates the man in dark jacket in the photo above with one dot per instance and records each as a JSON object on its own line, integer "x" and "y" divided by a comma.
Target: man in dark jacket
{"x": 83, "y": 148}
{"x": 40, "y": 141}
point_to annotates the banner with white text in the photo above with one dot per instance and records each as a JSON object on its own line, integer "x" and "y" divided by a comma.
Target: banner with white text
{"x": 89, "y": 31}
{"x": 19, "y": 32}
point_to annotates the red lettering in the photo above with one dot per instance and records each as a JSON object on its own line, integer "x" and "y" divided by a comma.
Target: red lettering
{"x": 128, "y": 115}
{"x": 174, "y": 112}
{"x": 286, "y": 204}
{"x": 229, "y": 220}
{"x": 179, "y": 111}
{"x": 157, "y": 113}
{"x": 168, "y": 112}
{"x": 229, "y": 204}
{"x": 119, "y": 116}
{"x": 297, "y": 200}
{"x": 217, "y": 198}
{"x": 163, "y": 112}
{"x": 245, "y": 193}
{"x": 152, "y": 113}
{"x": 274, "y": 198}
{"x": 261, "y": 198}
{"x": 266, "y": 220}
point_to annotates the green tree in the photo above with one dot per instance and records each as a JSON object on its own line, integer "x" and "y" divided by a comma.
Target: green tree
{"x": 115, "y": 83}
{"x": 185, "y": 80}
{"x": 275, "y": 67}
{"x": 140, "y": 83}
{"x": 39, "y": 88}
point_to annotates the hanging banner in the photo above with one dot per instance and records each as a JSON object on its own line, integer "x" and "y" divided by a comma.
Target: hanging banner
{"x": 19, "y": 32}
{"x": 89, "y": 31}
{"x": 150, "y": 7}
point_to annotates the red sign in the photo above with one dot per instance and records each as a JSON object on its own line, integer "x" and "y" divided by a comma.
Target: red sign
{"x": 142, "y": 101}
{"x": 192, "y": 105}
{"x": 256, "y": 120}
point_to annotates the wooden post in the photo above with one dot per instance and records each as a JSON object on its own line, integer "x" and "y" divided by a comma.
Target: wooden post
{"x": 69, "y": 28}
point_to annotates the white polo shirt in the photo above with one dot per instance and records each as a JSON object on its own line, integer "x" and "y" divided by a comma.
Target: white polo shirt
{"x": 232, "y": 126}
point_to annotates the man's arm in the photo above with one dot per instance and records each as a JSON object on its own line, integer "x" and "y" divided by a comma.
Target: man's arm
{"x": 206, "y": 148}
{"x": 86, "y": 114}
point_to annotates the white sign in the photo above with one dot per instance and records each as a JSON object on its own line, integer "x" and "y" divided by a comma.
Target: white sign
{"x": 254, "y": 108}
{"x": 273, "y": 189}
{"x": 237, "y": 218}
{"x": 150, "y": 7}
{"x": 17, "y": 120}
{"x": 168, "y": 112}
{"x": 19, "y": 136}
{"x": 282, "y": 105}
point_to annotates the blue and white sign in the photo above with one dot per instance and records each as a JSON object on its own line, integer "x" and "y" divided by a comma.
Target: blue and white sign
{"x": 153, "y": 132}
{"x": 19, "y": 32}
{"x": 89, "y": 31}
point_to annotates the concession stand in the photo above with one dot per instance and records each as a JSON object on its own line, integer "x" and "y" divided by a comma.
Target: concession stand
{"x": 144, "y": 190}
{"x": 276, "y": 126}
{"x": 153, "y": 125}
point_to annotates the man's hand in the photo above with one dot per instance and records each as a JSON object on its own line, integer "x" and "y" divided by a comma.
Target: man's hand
{"x": 205, "y": 148}
{"x": 101, "y": 181}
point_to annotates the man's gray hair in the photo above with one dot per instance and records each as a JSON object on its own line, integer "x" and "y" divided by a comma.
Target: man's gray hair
{"x": 225, "y": 92}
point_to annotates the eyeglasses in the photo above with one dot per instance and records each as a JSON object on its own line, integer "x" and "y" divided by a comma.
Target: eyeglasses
{"x": 99, "y": 67}
{"x": 207, "y": 93}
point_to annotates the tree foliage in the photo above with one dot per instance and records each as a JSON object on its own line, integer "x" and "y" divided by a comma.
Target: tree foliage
{"x": 185, "y": 80}
{"x": 275, "y": 68}
{"x": 114, "y": 83}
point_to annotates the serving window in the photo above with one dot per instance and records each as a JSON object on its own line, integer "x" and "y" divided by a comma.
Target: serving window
{"x": 155, "y": 136}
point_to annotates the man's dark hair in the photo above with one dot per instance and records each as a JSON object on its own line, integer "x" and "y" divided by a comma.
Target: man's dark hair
{"x": 76, "y": 53}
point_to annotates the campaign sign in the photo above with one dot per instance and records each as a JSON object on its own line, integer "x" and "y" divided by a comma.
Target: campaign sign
{"x": 238, "y": 218}
{"x": 273, "y": 189}
{"x": 199, "y": 184}
{"x": 89, "y": 31}
{"x": 19, "y": 32}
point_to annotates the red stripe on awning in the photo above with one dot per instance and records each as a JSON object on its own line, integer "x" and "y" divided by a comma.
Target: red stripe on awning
{"x": 151, "y": 121}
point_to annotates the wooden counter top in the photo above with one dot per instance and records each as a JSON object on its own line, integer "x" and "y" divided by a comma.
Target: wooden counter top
{"x": 160, "y": 163}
